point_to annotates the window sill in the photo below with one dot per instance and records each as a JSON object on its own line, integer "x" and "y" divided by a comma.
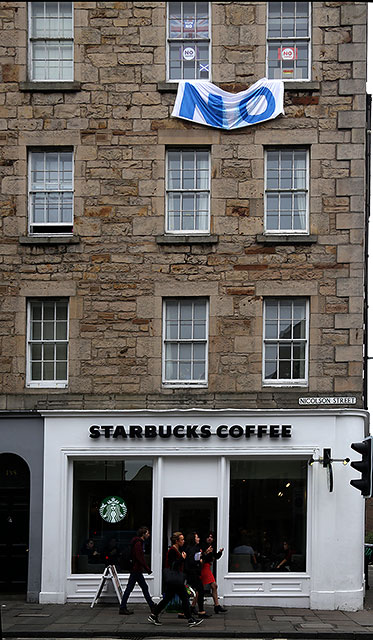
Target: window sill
{"x": 286, "y": 239}
{"x": 180, "y": 385}
{"x": 50, "y": 86}
{"x": 40, "y": 387}
{"x": 49, "y": 240}
{"x": 285, "y": 385}
{"x": 167, "y": 87}
{"x": 301, "y": 85}
{"x": 289, "y": 85}
{"x": 187, "y": 239}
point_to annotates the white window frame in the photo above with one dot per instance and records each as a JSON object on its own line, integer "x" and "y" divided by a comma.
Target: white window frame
{"x": 292, "y": 191}
{"x": 282, "y": 43}
{"x": 192, "y": 40}
{"x": 180, "y": 382}
{"x": 48, "y": 41}
{"x": 286, "y": 382}
{"x": 49, "y": 228}
{"x": 54, "y": 383}
{"x": 169, "y": 191}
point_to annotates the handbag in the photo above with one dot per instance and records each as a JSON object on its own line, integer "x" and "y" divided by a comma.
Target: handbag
{"x": 173, "y": 578}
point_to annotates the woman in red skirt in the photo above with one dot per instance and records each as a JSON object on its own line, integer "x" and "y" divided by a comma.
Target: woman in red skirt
{"x": 210, "y": 554}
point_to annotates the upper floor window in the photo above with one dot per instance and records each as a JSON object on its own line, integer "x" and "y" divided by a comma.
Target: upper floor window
{"x": 288, "y": 40}
{"x": 286, "y": 190}
{"x": 51, "y": 41}
{"x": 185, "y": 341}
{"x": 188, "y": 191}
{"x": 47, "y": 338}
{"x": 285, "y": 353}
{"x": 51, "y": 191}
{"x": 188, "y": 40}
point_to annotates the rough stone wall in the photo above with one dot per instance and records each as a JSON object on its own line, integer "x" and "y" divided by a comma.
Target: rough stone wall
{"x": 117, "y": 267}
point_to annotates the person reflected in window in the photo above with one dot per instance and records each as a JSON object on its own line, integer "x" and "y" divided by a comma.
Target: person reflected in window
{"x": 244, "y": 548}
{"x": 89, "y": 549}
{"x": 112, "y": 553}
{"x": 209, "y": 554}
{"x": 285, "y": 558}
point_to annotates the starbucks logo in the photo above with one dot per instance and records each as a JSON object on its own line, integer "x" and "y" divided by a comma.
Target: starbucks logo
{"x": 113, "y": 509}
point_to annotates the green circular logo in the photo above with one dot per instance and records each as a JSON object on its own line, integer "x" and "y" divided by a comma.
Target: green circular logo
{"x": 113, "y": 509}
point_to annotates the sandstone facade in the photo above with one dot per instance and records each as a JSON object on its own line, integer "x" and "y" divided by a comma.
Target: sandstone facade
{"x": 118, "y": 265}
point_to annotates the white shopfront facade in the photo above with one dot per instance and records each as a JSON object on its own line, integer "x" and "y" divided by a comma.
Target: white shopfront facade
{"x": 230, "y": 470}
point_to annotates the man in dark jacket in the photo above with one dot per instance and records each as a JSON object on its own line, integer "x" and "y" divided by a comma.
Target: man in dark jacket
{"x": 138, "y": 568}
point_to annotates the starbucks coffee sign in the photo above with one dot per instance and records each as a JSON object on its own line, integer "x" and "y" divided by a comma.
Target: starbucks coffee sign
{"x": 113, "y": 509}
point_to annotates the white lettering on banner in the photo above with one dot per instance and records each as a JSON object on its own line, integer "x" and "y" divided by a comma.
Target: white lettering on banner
{"x": 203, "y": 102}
{"x": 330, "y": 400}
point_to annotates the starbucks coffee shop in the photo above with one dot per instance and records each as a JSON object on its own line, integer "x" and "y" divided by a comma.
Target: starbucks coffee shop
{"x": 254, "y": 477}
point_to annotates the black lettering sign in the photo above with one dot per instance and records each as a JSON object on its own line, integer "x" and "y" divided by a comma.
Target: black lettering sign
{"x": 119, "y": 431}
{"x": 190, "y": 431}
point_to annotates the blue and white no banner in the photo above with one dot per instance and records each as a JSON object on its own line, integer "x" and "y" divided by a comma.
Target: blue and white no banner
{"x": 204, "y": 102}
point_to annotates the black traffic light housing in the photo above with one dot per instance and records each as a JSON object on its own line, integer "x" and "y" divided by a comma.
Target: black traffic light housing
{"x": 364, "y": 466}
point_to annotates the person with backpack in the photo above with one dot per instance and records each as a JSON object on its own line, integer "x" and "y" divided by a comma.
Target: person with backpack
{"x": 138, "y": 568}
{"x": 174, "y": 579}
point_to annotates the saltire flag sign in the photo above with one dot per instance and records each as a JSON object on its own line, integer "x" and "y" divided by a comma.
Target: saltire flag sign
{"x": 204, "y": 102}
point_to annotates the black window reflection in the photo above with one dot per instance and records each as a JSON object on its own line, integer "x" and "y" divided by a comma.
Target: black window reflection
{"x": 267, "y": 521}
{"x": 97, "y": 543}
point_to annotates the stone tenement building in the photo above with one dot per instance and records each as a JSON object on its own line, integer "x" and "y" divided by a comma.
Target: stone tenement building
{"x": 170, "y": 288}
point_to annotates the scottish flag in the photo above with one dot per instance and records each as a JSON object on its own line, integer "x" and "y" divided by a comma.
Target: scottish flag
{"x": 204, "y": 102}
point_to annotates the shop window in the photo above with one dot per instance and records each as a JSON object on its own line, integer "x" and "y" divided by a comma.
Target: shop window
{"x": 188, "y": 40}
{"x": 285, "y": 353}
{"x": 188, "y": 191}
{"x": 51, "y": 41}
{"x": 51, "y": 191}
{"x": 47, "y": 331}
{"x": 288, "y": 40}
{"x": 286, "y": 190}
{"x": 111, "y": 501}
{"x": 185, "y": 341}
{"x": 267, "y": 520}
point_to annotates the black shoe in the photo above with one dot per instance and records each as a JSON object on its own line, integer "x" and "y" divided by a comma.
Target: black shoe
{"x": 204, "y": 615}
{"x": 154, "y": 620}
{"x": 219, "y": 609}
{"x": 123, "y": 611}
{"x": 192, "y": 622}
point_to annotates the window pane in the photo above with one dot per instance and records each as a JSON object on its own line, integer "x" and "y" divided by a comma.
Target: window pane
{"x": 36, "y": 331}
{"x": 268, "y": 506}
{"x": 48, "y": 371}
{"x": 94, "y": 482}
{"x": 48, "y": 352}
{"x": 61, "y": 371}
{"x": 36, "y": 350}
{"x": 36, "y": 371}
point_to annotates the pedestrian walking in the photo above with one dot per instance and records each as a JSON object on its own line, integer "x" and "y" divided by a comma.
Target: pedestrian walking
{"x": 207, "y": 577}
{"x": 174, "y": 579}
{"x": 138, "y": 568}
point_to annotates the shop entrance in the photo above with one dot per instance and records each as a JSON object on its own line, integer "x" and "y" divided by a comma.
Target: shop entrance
{"x": 186, "y": 515}
{"x": 14, "y": 523}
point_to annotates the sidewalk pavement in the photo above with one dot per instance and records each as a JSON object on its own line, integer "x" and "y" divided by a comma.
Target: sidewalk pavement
{"x": 27, "y": 620}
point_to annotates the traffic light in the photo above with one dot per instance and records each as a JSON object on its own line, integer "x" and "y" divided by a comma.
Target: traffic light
{"x": 364, "y": 466}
